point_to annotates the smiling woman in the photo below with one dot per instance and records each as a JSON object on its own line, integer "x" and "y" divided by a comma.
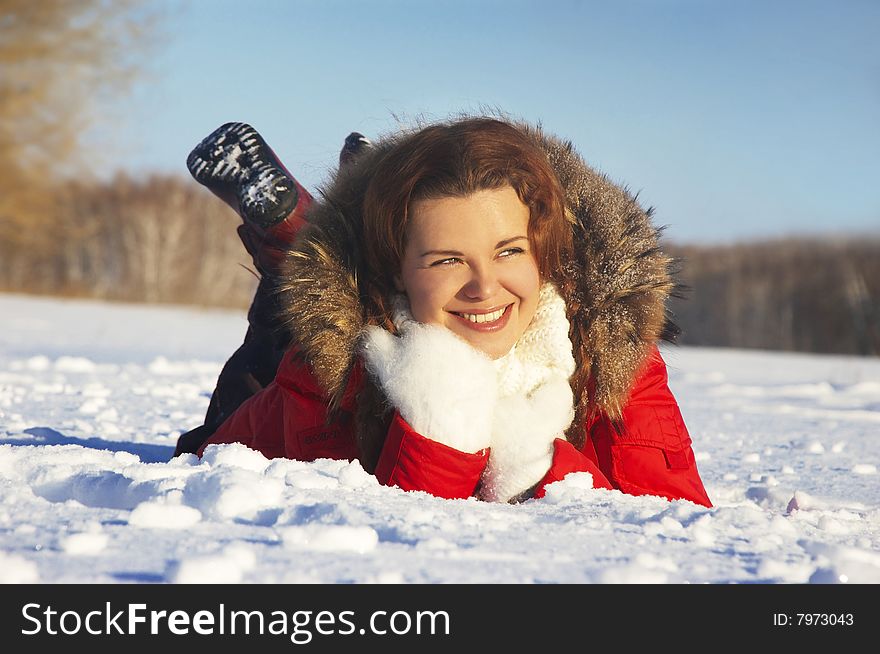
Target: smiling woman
{"x": 470, "y": 311}
{"x": 468, "y": 266}
{"x": 470, "y": 216}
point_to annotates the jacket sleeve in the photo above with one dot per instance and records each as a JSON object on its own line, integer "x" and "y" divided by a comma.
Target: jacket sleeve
{"x": 567, "y": 459}
{"x": 288, "y": 419}
{"x": 649, "y": 453}
{"x": 256, "y": 423}
{"x": 414, "y": 462}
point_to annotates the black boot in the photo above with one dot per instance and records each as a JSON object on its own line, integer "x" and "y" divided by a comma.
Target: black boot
{"x": 237, "y": 165}
{"x": 354, "y": 144}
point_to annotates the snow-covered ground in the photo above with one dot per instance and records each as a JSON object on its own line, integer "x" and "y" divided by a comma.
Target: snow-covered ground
{"x": 93, "y": 397}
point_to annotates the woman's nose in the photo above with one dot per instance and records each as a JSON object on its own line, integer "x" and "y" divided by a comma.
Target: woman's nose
{"x": 483, "y": 283}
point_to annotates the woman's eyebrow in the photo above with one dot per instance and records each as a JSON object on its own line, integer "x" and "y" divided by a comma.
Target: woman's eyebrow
{"x": 510, "y": 240}
{"x": 442, "y": 252}
{"x": 456, "y": 253}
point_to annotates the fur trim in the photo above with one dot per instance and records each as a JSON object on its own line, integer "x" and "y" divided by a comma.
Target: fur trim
{"x": 619, "y": 278}
{"x": 617, "y": 282}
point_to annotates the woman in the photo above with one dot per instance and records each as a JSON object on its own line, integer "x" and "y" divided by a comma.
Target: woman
{"x": 471, "y": 310}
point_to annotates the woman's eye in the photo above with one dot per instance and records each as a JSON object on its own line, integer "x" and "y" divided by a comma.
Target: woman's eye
{"x": 510, "y": 251}
{"x": 446, "y": 262}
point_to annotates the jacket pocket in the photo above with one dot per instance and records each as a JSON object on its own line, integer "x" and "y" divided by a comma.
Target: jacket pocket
{"x": 659, "y": 427}
{"x": 676, "y": 440}
{"x": 653, "y": 455}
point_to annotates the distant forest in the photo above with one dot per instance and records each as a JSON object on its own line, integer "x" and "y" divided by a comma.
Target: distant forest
{"x": 802, "y": 294}
{"x": 165, "y": 239}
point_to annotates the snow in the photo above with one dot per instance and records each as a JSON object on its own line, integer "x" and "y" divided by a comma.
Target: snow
{"x": 93, "y": 397}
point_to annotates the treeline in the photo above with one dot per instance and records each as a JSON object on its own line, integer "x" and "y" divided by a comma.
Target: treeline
{"x": 166, "y": 239}
{"x": 803, "y": 294}
{"x": 162, "y": 239}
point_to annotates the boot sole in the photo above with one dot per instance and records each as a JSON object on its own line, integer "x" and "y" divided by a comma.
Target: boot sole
{"x": 235, "y": 162}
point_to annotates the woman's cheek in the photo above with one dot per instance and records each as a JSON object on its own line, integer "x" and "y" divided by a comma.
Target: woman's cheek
{"x": 428, "y": 295}
{"x": 524, "y": 280}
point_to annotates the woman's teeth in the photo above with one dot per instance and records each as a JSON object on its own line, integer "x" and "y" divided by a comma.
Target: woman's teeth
{"x": 483, "y": 317}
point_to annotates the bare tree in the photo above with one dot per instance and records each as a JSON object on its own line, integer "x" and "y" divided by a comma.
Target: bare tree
{"x": 58, "y": 59}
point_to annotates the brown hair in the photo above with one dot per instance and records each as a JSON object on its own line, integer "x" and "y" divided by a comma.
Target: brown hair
{"x": 455, "y": 160}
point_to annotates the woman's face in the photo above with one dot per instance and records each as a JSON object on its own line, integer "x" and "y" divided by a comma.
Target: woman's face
{"x": 468, "y": 266}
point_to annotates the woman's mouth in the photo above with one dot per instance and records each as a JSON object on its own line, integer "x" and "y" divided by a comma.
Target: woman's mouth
{"x": 484, "y": 321}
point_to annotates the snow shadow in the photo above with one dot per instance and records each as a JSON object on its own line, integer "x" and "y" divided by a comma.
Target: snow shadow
{"x": 146, "y": 452}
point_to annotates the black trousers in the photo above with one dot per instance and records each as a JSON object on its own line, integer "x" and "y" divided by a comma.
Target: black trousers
{"x": 250, "y": 368}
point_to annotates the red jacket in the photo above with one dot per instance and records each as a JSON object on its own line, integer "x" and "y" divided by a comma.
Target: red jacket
{"x": 652, "y": 455}
{"x": 618, "y": 282}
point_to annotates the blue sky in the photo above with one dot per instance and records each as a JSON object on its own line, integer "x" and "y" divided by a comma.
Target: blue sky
{"x": 735, "y": 119}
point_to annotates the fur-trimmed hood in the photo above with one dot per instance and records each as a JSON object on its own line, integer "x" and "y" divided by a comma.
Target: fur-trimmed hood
{"x": 616, "y": 299}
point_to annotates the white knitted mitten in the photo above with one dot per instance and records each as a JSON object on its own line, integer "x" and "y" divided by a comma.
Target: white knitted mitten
{"x": 444, "y": 388}
{"x": 522, "y": 439}
{"x": 535, "y": 404}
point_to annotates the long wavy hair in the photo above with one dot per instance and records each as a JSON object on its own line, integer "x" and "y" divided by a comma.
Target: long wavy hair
{"x": 456, "y": 160}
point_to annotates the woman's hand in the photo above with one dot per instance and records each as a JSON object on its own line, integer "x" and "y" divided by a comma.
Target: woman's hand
{"x": 443, "y": 387}
{"x": 522, "y": 441}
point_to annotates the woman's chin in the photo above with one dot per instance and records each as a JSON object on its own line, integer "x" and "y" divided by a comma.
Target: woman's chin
{"x": 494, "y": 346}
{"x": 494, "y": 339}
